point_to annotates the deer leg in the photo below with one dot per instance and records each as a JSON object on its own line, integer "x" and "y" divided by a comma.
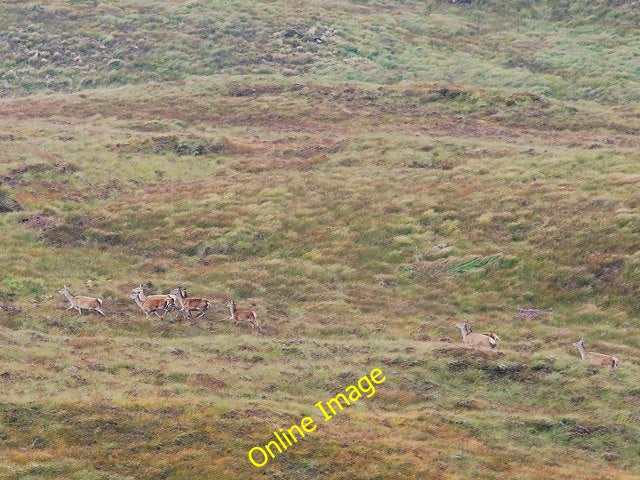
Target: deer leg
{"x": 100, "y": 312}
{"x": 70, "y": 307}
{"x": 79, "y": 310}
{"x": 258, "y": 326}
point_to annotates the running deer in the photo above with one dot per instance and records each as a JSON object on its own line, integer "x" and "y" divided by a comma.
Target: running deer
{"x": 80, "y": 303}
{"x": 244, "y": 316}
{"x": 190, "y": 304}
{"x": 599, "y": 359}
{"x": 172, "y": 300}
{"x": 471, "y": 339}
{"x": 151, "y": 305}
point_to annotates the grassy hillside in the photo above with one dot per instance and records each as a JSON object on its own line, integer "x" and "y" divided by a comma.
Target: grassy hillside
{"x": 571, "y": 50}
{"x": 367, "y": 174}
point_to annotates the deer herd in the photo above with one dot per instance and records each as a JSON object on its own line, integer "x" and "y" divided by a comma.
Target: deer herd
{"x": 179, "y": 302}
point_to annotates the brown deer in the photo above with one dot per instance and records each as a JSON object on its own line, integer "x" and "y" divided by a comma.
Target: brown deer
{"x": 80, "y": 303}
{"x": 190, "y": 304}
{"x": 244, "y": 316}
{"x": 599, "y": 359}
{"x": 488, "y": 334}
{"x": 151, "y": 305}
{"x": 172, "y": 300}
{"x": 471, "y": 339}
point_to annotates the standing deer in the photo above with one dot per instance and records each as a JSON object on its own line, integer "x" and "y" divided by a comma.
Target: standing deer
{"x": 244, "y": 315}
{"x": 151, "y": 305}
{"x": 80, "y": 303}
{"x": 600, "y": 359}
{"x": 471, "y": 339}
{"x": 172, "y": 300}
{"x": 190, "y": 304}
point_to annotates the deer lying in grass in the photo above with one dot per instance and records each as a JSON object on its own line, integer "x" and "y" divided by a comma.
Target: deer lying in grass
{"x": 471, "y": 339}
{"x": 172, "y": 300}
{"x": 488, "y": 334}
{"x": 600, "y": 359}
{"x": 244, "y": 316}
{"x": 151, "y": 305}
{"x": 190, "y": 304}
{"x": 80, "y": 303}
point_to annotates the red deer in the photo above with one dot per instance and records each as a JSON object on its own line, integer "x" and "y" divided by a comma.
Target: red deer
{"x": 190, "y": 304}
{"x": 600, "y": 359}
{"x": 471, "y": 339}
{"x": 151, "y": 305}
{"x": 488, "y": 334}
{"x": 80, "y": 303}
{"x": 172, "y": 300}
{"x": 244, "y": 316}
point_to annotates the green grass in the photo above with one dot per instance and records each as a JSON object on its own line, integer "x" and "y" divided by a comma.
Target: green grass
{"x": 424, "y": 163}
{"x": 558, "y": 50}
